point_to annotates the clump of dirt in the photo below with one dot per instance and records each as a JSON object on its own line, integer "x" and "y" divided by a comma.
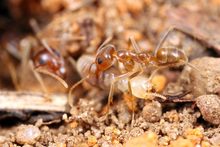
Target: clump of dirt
{"x": 85, "y": 127}
{"x": 195, "y": 81}
{"x": 192, "y": 80}
{"x": 209, "y": 107}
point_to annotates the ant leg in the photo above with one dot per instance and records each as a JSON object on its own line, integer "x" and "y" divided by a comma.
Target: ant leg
{"x": 45, "y": 44}
{"x": 26, "y": 45}
{"x": 134, "y": 44}
{"x": 43, "y": 40}
{"x": 40, "y": 80}
{"x": 12, "y": 50}
{"x": 164, "y": 39}
{"x": 182, "y": 30}
{"x": 79, "y": 82}
{"x": 110, "y": 97}
{"x": 201, "y": 72}
{"x": 5, "y": 57}
{"x": 39, "y": 33}
{"x": 13, "y": 75}
{"x": 73, "y": 63}
{"x": 154, "y": 72}
{"x": 107, "y": 40}
{"x": 34, "y": 25}
{"x": 104, "y": 43}
{"x": 130, "y": 93}
{"x": 169, "y": 31}
{"x": 74, "y": 86}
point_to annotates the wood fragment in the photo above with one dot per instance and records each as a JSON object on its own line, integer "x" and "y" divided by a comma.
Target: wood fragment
{"x": 33, "y": 101}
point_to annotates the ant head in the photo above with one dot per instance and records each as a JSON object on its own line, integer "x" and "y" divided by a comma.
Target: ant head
{"x": 104, "y": 58}
{"x": 44, "y": 60}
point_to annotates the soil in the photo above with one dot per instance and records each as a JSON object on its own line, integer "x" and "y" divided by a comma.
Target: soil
{"x": 189, "y": 117}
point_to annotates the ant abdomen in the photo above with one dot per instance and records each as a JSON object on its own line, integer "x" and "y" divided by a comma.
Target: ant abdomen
{"x": 170, "y": 55}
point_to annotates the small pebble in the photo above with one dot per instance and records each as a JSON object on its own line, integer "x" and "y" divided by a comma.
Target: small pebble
{"x": 209, "y": 106}
{"x": 148, "y": 139}
{"x": 2, "y": 139}
{"x": 152, "y": 111}
{"x": 180, "y": 142}
{"x": 92, "y": 141}
{"x": 82, "y": 145}
{"x": 215, "y": 140}
{"x": 194, "y": 135}
{"x": 27, "y": 134}
{"x": 192, "y": 80}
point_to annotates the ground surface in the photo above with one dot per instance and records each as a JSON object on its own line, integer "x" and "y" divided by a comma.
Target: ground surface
{"x": 191, "y": 117}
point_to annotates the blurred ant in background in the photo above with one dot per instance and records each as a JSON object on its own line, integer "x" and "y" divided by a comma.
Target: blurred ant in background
{"x": 44, "y": 59}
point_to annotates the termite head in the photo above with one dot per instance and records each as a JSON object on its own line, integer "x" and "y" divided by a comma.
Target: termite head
{"x": 142, "y": 88}
{"x": 104, "y": 58}
{"x": 44, "y": 60}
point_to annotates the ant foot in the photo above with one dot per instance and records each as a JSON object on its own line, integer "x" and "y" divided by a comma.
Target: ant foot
{"x": 48, "y": 98}
{"x": 104, "y": 118}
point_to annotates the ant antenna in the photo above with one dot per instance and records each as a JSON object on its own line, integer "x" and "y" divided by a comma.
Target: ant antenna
{"x": 75, "y": 85}
{"x": 40, "y": 80}
{"x": 108, "y": 39}
{"x": 201, "y": 72}
{"x": 52, "y": 75}
{"x": 104, "y": 43}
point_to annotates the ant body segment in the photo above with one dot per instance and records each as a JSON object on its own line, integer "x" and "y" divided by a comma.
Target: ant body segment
{"x": 163, "y": 57}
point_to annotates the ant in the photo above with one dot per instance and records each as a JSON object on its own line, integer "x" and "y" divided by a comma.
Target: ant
{"x": 49, "y": 61}
{"x": 139, "y": 86}
{"x": 41, "y": 61}
{"x": 163, "y": 57}
{"x": 46, "y": 60}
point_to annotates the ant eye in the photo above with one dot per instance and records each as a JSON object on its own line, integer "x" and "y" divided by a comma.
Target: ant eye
{"x": 42, "y": 61}
{"x": 99, "y": 60}
{"x": 56, "y": 53}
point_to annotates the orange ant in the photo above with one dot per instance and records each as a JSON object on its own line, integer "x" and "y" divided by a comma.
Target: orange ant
{"x": 42, "y": 61}
{"x": 163, "y": 57}
{"x": 48, "y": 60}
{"x": 139, "y": 84}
